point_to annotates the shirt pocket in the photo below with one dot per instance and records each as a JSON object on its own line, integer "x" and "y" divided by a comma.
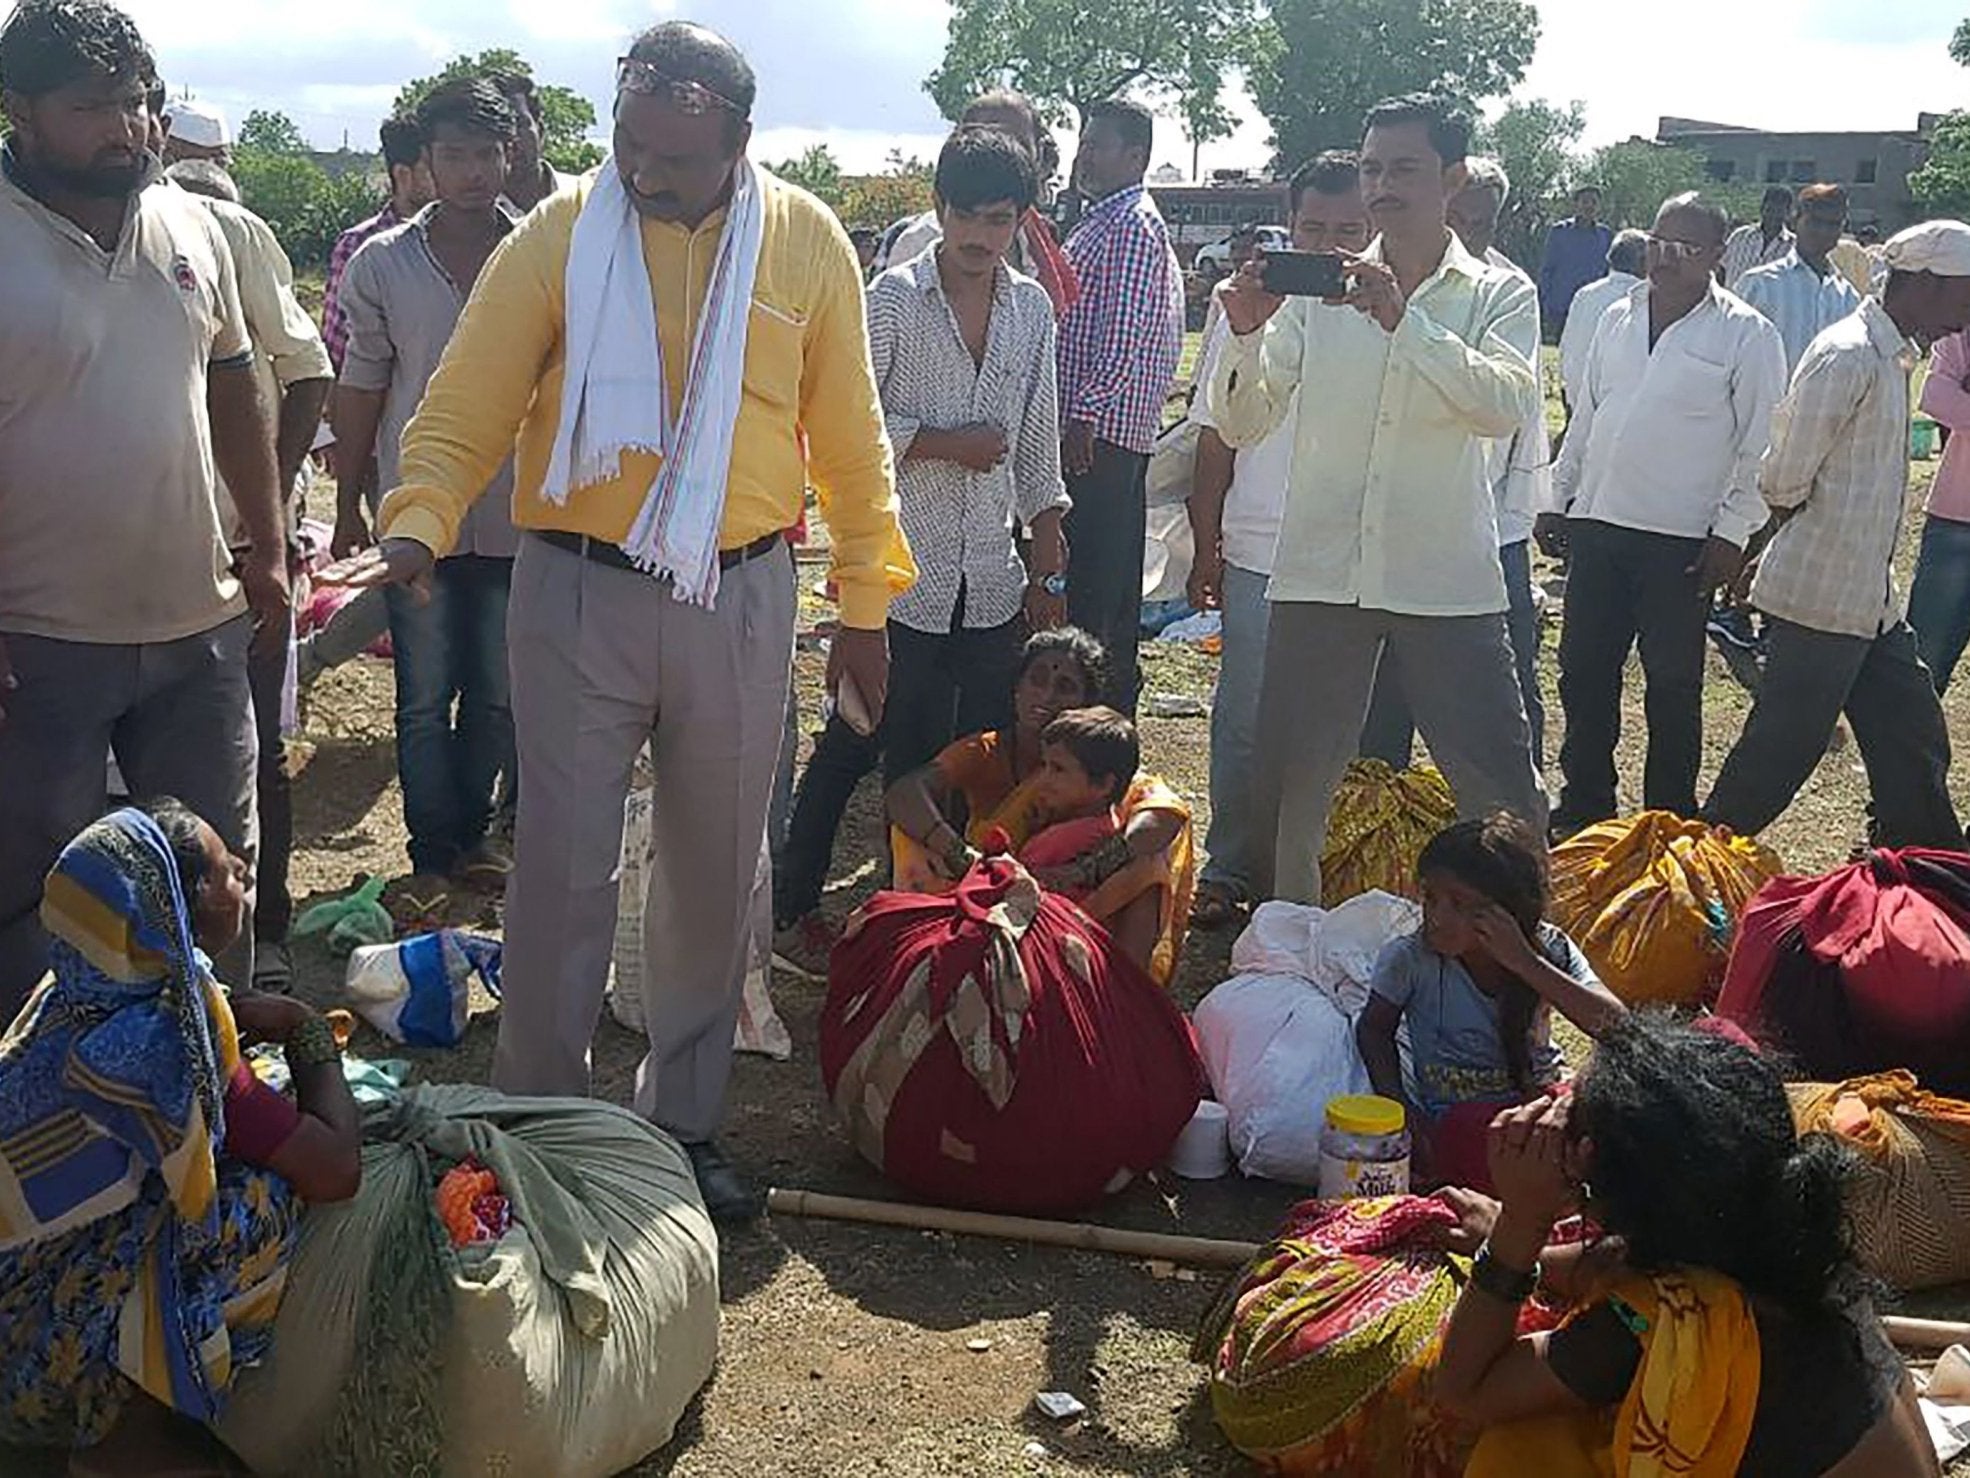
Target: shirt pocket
{"x": 775, "y": 343}
{"x": 1700, "y": 387}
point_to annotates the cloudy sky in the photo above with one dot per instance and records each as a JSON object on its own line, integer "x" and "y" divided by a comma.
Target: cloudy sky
{"x": 849, "y": 72}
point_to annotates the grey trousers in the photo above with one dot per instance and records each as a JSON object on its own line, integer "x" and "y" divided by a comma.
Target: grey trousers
{"x": 1811, "y": 678}
{"x": 179, "y": 718}
{"x": 1459, "y": 675}
{"x": 1390, "y": 731}
{"x": 602, "y": 660}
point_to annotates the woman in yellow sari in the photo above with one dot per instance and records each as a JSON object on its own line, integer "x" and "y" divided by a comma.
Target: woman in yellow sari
{"x": 1719, "y": 1327}
{"x": 943, "y": 815}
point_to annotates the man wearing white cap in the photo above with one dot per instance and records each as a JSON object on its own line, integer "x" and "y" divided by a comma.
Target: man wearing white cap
{"x": 195, "y": 130}
{"x": 1836, "y": 479}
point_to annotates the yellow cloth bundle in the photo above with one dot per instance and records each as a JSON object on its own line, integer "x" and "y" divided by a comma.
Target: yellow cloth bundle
{"x": 1382, "y": 819}
{"x": 1653, "y": 901}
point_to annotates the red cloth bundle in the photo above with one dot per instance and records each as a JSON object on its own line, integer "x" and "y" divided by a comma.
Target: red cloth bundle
{"x": 993, "y": 1048}
{"x": 1863, "y": 970}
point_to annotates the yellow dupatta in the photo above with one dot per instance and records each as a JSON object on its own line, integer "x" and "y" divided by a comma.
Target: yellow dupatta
{"x": 1687, "y": 1413}
{"x": 1018, "y": 813}
{"x": 1173, "y": 872}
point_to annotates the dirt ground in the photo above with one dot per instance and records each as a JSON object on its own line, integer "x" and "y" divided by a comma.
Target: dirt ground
{"x": 846, "y": 1349}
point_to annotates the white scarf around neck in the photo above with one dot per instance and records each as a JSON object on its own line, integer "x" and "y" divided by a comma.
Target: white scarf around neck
{"x": 615, "y": 397}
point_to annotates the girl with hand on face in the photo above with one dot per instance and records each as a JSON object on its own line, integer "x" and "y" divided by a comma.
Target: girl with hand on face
{"x": 1476, "y": 985}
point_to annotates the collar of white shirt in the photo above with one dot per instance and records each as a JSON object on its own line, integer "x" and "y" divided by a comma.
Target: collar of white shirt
{"x": 1456, "y": 260}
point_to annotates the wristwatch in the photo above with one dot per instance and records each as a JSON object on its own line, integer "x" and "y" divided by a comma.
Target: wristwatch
{"x": 1508, "y": 1285}
{"x": 1054, "y": 584}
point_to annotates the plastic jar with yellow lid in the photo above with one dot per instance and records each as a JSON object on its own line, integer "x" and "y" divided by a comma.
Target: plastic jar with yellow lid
{"x": 1364, "y": 1148}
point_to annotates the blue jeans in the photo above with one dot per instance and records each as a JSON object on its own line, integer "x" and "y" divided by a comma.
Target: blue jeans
{"x": 1939, "y": 600}
{"x": 1234, "y": 733}
{"x": 452, "y": 649}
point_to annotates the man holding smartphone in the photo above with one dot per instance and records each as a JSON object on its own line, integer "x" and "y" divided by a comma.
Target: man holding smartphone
{"x": 1389, "y": 538}
{"x": 1236, "y": 502}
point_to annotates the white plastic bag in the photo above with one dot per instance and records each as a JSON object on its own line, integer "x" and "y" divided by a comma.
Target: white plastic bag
{"x": 1278, "y": 1037}
{"x": 419, "y": 990}
{"x": 759, "y": 1029}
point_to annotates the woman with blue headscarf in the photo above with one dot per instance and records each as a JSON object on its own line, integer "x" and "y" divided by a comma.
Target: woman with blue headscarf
{"x": 150, "y": 1184}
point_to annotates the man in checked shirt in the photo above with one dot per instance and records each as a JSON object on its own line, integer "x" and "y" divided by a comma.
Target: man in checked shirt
{"x": 1118, "y": 358}
{"x": 1836, "y": 479}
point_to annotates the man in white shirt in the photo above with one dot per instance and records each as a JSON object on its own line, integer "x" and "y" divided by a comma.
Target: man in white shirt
{"x": 1658, "y": 488}
{"x": 1768, "y": 240}
{"x": 1389, "y": 538}
{"x": 1519, "y": 468}
{"x": 1836, "y": 478}
{"x": 1235, "y": 506}
{"x": 1627, "y": 260}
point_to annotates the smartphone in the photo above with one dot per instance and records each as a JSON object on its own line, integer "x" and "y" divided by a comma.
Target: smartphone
{"x": 1304, "y": 274}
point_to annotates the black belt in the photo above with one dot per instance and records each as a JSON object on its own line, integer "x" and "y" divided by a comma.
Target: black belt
{"x": 605, "y": 553}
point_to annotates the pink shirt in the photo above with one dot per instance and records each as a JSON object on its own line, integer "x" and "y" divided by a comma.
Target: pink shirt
{"x": 1947, "y": 402}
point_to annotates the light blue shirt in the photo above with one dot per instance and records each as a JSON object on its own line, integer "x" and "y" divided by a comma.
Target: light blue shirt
{"x": 1456, "y": 1042}
{"x": 1800, "y": 303}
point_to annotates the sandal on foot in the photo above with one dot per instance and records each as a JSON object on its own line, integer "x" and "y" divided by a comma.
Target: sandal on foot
{"x": 1214, "y": 908}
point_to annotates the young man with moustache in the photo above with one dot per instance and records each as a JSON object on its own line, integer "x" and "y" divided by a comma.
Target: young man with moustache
{"x": 1389, "y": 539}
{"x": 403, "y": 293}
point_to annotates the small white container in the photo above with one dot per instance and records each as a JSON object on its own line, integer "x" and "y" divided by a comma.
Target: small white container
{"x": 1203, "y": 1150}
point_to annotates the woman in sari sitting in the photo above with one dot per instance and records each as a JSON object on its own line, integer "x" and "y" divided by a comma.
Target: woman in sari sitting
{"x": 1719, "y": 1326}
{"x": 942, "y": 816}
{"x": 150, "y": 1184}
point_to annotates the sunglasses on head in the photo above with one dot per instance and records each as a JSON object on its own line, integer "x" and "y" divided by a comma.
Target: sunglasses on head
{"x": 647, "y": 78}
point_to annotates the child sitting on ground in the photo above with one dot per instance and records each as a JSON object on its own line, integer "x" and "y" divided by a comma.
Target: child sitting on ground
{"x": 1089, "y": 850}
{"x": 1477, "y": 986}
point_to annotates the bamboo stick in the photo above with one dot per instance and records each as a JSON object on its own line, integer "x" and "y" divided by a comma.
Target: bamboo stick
{"x": 1904, "y": 1332}
{"x": 1924, "y": 1334}
{"x": 1083, "y": 1236}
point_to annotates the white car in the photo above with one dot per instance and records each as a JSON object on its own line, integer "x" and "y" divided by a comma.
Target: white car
{"x": 1214, "y": 261}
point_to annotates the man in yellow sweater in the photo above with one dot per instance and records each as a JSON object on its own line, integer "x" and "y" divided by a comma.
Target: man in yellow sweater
{"x": 616, "y": 634}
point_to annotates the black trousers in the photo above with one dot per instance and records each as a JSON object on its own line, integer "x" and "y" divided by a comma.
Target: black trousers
{"x": 1105, "y": 532}
{"x": 940, "y": 687}
{"x": 273, "y": 910}
{"x": 1626, "y": 588}
{"x": 1811, "y": 678}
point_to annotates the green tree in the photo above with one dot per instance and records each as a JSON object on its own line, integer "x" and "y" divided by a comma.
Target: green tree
{"x": 280, "y": 189}
{"x": 1942, "y": 185}
{"x": 1535, "y": 141}
{"x": 566, "y": 117}
{"x": 271, "y": 133}
{"x": 1329, "y": 61}
{"x": 817, "y": 171}
{"x": 1067, "y": 54}
{"x": 902, "y": 189}
{"x": 1636, "y": 176}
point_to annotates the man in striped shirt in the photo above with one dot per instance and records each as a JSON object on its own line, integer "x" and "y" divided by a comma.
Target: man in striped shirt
{"x": 1803, "y": 292}
{"x": 1767, "y": 239}
{"x": 1836, "y": 479}
{"x": 1119, "y": 346}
